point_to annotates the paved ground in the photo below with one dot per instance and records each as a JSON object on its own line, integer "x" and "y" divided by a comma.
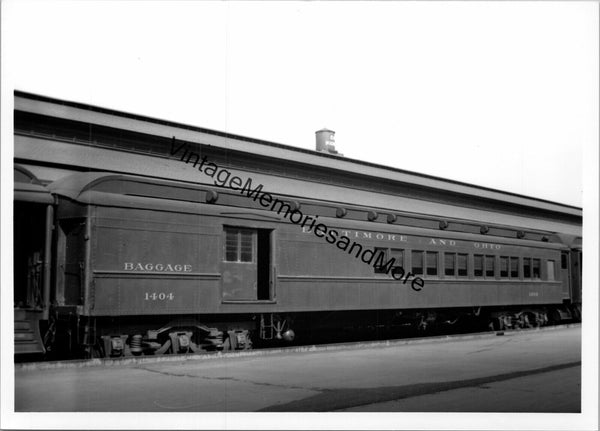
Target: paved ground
{"x": 536, "y": 371}
{"x": 549, "y": 392}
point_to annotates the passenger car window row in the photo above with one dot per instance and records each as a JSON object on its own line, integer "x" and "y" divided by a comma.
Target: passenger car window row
{"x": 425, "y": 262}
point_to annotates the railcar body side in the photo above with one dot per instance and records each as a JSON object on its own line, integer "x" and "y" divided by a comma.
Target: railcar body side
{"x": 181, "y": 255}
{"x": 127, "y": 256}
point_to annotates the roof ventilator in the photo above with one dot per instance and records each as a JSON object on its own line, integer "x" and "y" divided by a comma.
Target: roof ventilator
{"x": 295, "y": 205}
{"x": 340, "y": 212}
{"x": 211, "y": 196}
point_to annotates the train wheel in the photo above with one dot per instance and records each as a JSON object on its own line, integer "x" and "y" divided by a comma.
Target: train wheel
{"x": 524, "y": 321}
{"x": 527, "y": 321}
{"x": 497, "y": 324}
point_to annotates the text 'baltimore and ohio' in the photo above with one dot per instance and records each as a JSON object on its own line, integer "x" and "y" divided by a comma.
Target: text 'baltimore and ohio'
{"x": 223, "y": 178}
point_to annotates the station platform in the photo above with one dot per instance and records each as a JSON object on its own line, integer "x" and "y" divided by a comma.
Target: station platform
{"x": 543, "y": 392}
{"x": 457, "y": 374}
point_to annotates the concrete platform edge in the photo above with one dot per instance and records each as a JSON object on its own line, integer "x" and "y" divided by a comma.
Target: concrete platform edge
{"x": 84, "y": 363}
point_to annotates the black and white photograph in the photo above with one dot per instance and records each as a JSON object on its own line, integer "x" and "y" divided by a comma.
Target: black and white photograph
{"x": 299, "y": 214}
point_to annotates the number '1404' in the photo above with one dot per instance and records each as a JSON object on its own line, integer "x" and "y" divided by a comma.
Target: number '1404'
{"x": 161, "y": 296}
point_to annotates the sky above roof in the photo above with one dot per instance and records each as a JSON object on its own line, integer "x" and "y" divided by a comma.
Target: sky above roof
{"x": 502, "y": 95}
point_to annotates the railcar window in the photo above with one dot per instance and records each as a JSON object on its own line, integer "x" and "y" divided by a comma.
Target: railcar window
{"x": 231, "y": 245}
{"x": 384, "y": 253}
{"x": 564, "y": 260}
{"x": 432, "y": 261}
{"x": 478, "y": 261}
{"x": 550, "y": 268}
{"x": 449, "y": 263}
{"x": 536, "y": 268}
{"x": 398, "y": 254}
{"x": 417, "y": 262}
{"x": 239, "y": 245}
{"x": 514, "y": 267}
{"x": 246, "y": 246}
{"x": 504, "y": 266}
{"x": 489, "y": 266}
{"x": 527, "y": 267}
{"x": 462, "y": 265}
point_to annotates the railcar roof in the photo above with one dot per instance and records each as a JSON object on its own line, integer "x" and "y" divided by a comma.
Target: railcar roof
{"x": 27, "y": 188}
{"x": 52, "y": 107}
{"x": 79, "y": 186}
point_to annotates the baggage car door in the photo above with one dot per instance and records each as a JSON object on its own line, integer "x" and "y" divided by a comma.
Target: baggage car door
{"x": 246, "y": 265}
{"x": 239, "y": 264}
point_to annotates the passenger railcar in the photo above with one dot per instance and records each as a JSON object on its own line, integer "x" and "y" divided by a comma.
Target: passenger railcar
{"x": 147, "y": 266}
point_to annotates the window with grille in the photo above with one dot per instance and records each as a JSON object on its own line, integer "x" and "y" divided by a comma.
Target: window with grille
{"x": 478, "y": 265}
{"x": 432, "y": 260}
{"x": 489, "y": 266}
{"x": 449, "y": 263}
{"x": 527, "y": 267}
{"x": 504, "y": 266}
{"x": 462, "y": 265}
{"x": 239, "y": 245}
{"x": 398, "y": 254}
{"x": 514, "y": 267}
{"x": 380, "y": 269}
{"x": 417, "y": 262}
{"x": 536, "y": 269}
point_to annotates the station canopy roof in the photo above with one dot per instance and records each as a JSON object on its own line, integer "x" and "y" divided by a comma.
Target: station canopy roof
{"x": 277, "y": 153}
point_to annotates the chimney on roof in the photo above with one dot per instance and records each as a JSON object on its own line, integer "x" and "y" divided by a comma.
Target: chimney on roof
{"x": 326, "y": 141}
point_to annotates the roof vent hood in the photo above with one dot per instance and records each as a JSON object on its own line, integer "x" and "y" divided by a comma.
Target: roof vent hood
{"x": 326, "y": 141}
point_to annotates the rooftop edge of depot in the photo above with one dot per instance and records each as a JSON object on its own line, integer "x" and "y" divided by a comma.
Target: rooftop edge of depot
{"x": 44, "y": 105}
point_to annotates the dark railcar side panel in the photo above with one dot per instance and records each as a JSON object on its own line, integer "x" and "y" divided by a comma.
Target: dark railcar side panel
{"x": 155, "y": 295}
{"x": 312, "y": 274}
{"x": 148, "y": 262}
